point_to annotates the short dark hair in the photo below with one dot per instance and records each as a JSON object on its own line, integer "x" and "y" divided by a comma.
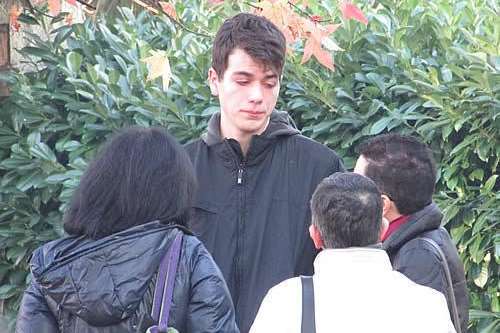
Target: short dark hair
{"x": 255, "y": 35}
{"x": 347, "y": 210}
{"x": 403, "y": 168}
{"x": 141, "y": 175}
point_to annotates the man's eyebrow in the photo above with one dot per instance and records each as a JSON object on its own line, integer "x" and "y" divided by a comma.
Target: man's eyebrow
{"x": 242, "y": 73}
{"x": 249, "y": 74}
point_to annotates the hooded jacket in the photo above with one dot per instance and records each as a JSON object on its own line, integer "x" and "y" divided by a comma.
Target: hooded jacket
{"x": 252, "y": 212}
{"x": 107, "y": 285}
{"x": 413, "y": 255}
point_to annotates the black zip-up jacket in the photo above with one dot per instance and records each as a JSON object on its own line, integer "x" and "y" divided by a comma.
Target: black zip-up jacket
{"x": 412, "y": 255}
{"x": 107, "y": 286}
{"x": 252, "y": 212}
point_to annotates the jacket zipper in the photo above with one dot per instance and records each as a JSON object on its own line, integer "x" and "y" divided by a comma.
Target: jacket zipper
{"x": 241, "y": 230}
{"x": 239, "y": 180}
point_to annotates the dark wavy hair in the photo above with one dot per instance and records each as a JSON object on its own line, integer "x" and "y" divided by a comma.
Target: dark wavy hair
{"x": 403, "y": 168}
{"x": 255, "y": 35}
{"x": 140, "y": 175}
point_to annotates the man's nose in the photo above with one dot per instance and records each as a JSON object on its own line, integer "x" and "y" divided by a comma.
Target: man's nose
{"x": 256, "y": 93}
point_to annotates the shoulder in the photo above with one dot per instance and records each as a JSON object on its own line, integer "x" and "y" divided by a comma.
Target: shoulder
{"x": 421, "y": 249}
{"x": 199, "y": 259}
{"x": 193, "y": 146}
{"x": 312, "y": 150}
{"x": 417, "y": 296}
{"x": 47, "y": 253}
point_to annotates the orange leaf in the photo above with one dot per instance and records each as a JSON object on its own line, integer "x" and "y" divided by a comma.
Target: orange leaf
{"x": 317, "y": 36}
{"x": 169, "y": 9}
{"x": 14, "y": 13}
{"x": 54, "y": 7}
{"x": 71, "y": 2}
{"x": 350, "y": 11}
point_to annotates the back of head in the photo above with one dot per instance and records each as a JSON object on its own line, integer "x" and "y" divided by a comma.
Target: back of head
{"x": 141, "y": 175}
{"x": 347, "y": 210}
{"x": 255, "y": 35}
{"x": 403, "y": 168}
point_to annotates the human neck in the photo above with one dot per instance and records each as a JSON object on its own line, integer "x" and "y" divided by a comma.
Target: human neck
{"x": 243, "y": 138}
{"x": 392, "y": 216}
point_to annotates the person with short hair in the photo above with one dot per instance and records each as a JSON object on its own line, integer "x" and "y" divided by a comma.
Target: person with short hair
{"x": 405, "y": 172}
{"x": 255, "y": 170}
{"x": 354, "y": 288}
{"x": 132, "y": 201}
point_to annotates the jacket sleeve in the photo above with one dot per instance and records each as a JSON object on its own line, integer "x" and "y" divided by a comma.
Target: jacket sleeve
{"x": 419, "y": 262}
{"x": 34, "y": 314}
{"x": 210, "y": 306}
{"x": 338, "y": 165}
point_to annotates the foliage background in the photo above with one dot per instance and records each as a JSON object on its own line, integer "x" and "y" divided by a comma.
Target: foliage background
{"x": 431, "y": 69}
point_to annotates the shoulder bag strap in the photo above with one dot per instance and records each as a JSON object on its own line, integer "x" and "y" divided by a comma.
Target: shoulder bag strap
{"x": 164, "y": 288}
{"x": 308, "y": 312}
{"x": 453, "y": 305}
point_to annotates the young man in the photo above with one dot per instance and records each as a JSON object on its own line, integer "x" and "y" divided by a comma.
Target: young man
{"x": 404, "y": 170}
{"x": 256, "y": 173}
{"x": 354, "y": 288}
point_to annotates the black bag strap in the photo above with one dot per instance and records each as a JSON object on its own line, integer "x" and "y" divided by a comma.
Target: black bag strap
{"x": 308, "y": 312}
{"x": 451, "y": 293}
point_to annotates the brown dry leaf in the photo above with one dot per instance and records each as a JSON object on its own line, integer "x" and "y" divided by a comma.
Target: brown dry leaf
{"x": 14, "y": 13}
{"x": 169, "y": 9}
{"x": 158, "y": 65}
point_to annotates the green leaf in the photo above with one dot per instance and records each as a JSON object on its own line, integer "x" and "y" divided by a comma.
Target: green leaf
{"x": 380, "y": 125}
{"x": 490, "y": 183}
{"x": 73, "y": 62}
{"x": 42, "y": 151}
{"x": 7, "y": 291}
{"x": 28, "y": 19}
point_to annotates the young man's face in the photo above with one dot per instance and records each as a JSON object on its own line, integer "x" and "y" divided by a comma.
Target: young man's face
{"x": 247, "y": 94}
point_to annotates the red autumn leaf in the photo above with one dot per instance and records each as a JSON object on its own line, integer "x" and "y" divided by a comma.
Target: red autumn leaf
{"x": 169, "y": 9}
{"x": 71, "y": 2}
{"x": 14, "y": 13}
{"x": 316, "y": 18}
{"x": 351, "y": 11}
{"x": 54, "y": 7}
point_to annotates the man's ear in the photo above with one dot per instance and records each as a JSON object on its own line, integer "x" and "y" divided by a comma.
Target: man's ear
{"x": 386, "y": 205}
{"x": 213, "y": 81}
{"x": 316, "y": 237}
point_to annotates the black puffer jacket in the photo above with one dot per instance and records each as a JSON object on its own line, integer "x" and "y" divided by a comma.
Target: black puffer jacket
{"x": 80, "y": 285}
{"x": 414, "y": 256}
{"x": 252, "y": 212}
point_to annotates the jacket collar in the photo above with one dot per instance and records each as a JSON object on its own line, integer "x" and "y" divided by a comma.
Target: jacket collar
{"x": 280, "y": 125}
{"x": 429, "y": 218}
{"x": 330, "y": 261}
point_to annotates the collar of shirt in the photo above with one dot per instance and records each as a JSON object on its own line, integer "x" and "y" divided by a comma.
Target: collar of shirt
{"x": 394, "y": 225}
{"x": 352, "y": 258}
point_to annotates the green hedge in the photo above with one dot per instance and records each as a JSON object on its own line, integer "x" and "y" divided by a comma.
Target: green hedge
{"x": 427, "y": 68}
